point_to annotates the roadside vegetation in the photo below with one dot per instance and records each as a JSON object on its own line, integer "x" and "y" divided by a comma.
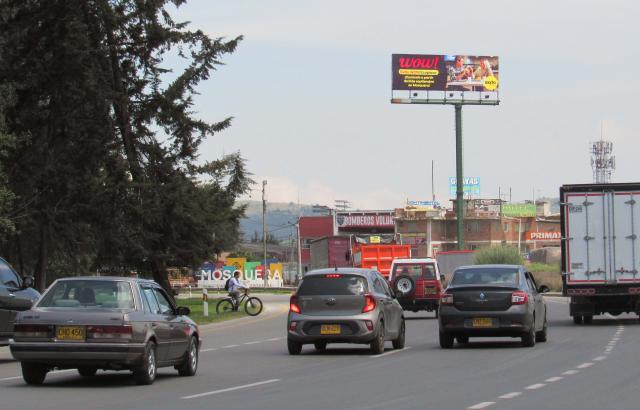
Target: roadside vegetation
{"x": 498, "y": 255}
{"x": 197, "y": 311}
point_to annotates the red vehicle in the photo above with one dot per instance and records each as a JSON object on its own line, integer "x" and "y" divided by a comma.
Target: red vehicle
{"x": 417, "y": 284}
{"x": 379, "y": 257}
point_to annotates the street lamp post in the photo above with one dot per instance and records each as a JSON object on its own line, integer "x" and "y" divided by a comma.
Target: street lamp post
{"x": 265, "y": 274}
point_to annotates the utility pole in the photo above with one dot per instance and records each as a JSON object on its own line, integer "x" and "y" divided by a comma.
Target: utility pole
{"x": 433, "y": 192}
{"x": 265, "y": 275}
{"x": 459, "y": 180}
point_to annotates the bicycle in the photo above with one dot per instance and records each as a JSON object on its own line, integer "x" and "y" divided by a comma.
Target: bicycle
{"x": 252, "y": 305}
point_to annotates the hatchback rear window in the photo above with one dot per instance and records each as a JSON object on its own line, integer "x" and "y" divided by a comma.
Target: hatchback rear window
{"x": 334, "y": 284}
{"x": 415, "y": 270}
{"x": 100, "y": 294}
{"x": 486, "y": 276}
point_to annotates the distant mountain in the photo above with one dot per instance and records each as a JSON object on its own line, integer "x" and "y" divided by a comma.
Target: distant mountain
{"x": 280, "y": 218}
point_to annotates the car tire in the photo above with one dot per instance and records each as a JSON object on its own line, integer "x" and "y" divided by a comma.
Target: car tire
{"x": 294, "y": 347}
{"x": 377, "y": 344}
{"x": 320, "y": 346}
{"x": 34, "y": 373}
{"x": 398, "y": 343}
{"x": 404, "y": 286}
{"x": 463, "y": 339}
{"x": 587, "y": 320}
{"x": 87, "y": 371}
{"x": 529, "y": 338}
{"x": 541, "y": 336}
{"x": 146, "y": 373}
{"x": 577, "y": 320}
{"x": 190, "y": 365}
{"x": 446, "y": 340}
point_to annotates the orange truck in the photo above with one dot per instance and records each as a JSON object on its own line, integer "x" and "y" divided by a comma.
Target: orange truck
{"x": 379, "y": 256}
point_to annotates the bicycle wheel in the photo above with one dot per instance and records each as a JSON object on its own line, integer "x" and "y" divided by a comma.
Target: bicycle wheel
{"x": 253, "y": 307}
{"x": 224, "y": 306}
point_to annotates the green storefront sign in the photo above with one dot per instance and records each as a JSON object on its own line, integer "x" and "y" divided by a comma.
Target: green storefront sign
{"x": 519, "y": 210}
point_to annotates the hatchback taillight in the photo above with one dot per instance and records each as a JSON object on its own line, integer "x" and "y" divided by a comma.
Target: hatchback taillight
{"x": 123, "y": 332}
{"x": 369, "y": 303}
{"x": 446, "y": 299}
{"x": 293, "y": 304}
{"x": 32, "y": 331}
{"x": 519, "y": 298}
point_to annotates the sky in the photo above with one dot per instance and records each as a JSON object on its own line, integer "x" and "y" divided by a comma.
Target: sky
{"x": 309, "y": 88}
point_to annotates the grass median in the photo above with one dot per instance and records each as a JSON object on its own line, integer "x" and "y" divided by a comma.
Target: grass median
{"x": 197, "y": 311}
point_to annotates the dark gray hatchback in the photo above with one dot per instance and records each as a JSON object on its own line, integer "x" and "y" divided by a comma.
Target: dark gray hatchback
{"x": 344, "y": 305}
{"x": 492, "y": 300}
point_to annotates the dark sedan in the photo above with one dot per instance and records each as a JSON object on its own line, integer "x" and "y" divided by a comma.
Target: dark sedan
{"x": 492, "y": 300}
{"x": 105, "y": 323}
{"x": 16, "y": 294}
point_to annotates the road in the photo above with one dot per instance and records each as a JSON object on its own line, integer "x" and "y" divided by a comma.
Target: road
{"x": 244, "y": 365}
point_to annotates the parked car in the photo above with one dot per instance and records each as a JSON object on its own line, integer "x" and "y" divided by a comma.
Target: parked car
{"x": 492, "y": 300}
{"x": 417, "y": 283}
{"x": 344, "y": 305}
{"x": 16, "y": 294}
{"x": 109, "y": 323}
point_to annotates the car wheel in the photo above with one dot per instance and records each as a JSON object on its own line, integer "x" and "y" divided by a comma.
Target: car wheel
{"x": 577, "y": 320}
{"x": 529, "y": 338}
{"x": 399, "y": 342}
{"x": 320, "y": 346}
{"x": 145, "y": 374}
{"x": 446, "y": 340}
{"x": 404, "y": 286}
{"x": 588, "y": 320}
{"x": 34, "y": 373}
{"x": 377, "y": 344}
{"x": 294, "y": 347}
{"x": 463, "y": 339}
{"x": 541, "y": 336}
{"x": 87, "y": 371}
{"x": 190, "y": 365}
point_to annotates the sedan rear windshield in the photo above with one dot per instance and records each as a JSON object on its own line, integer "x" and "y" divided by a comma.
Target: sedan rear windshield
{"x": 333, "y": 284}
{"x": 100, "y": 294}
{"x": 486, "y": 276}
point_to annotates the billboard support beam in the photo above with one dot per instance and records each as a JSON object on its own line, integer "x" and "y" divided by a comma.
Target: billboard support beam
{"x": 459, "y": 180}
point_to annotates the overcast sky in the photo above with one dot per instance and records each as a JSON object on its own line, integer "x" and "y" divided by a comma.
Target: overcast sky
{"x": 310, "y": 89}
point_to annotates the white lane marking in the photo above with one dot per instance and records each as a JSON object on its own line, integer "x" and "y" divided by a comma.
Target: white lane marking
{"x": 554, "y": 379}
{"x": 510, "y": 395}
{"x": 229, "y": 346}
{"x": 599, "y": 358}
{"x": 211, "y": 349}
{"x": 391, "y": 352}
{"x": 570, "y": 372}
{"x": 273, "y": 339}
{"x": 252, "y": 343}
{"x": 584, "y": 365}
{"x": 50, "y": 373}
{"x": 611, "y": 343}
{"x": 244, "y": 386}
{"x": 482, "y": 405}
{"x": 535, "y": 386}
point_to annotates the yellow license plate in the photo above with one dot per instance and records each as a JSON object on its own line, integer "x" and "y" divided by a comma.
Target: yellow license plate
{"x": 329, "y": 329}
{"x": 429, "y": 291}
{"x": 482, "y": 322}
{"x": 73, "y": 333}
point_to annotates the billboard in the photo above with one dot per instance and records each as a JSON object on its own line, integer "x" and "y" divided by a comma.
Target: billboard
{"x": 445, "y": 79}
{"x": 471, "y": 186}
{"x": 519, "y": 210}
{"x": 543, "y": 236}
{"x": 365, "y": 219}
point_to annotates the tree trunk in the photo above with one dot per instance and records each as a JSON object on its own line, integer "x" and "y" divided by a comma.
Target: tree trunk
{"x": 160, "y": 275}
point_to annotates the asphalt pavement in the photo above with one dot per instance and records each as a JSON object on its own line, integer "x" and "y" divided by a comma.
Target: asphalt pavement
{"x": 244, "y": 365}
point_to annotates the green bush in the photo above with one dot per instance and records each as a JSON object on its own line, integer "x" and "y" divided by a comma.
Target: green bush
{"x": 543, "y": 267}
{"x": 498, "y": 254}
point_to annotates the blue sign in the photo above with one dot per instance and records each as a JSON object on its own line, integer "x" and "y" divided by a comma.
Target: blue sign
{"x": 471, "y": 186}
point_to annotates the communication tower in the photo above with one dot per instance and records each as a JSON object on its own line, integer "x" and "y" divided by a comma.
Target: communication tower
{"x": 602, "y": 161}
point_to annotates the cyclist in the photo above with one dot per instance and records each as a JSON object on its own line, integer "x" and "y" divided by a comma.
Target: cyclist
{"x": 234, "y": 289}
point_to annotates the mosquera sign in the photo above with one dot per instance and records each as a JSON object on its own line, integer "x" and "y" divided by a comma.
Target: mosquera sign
{"x": 544, "y": 236}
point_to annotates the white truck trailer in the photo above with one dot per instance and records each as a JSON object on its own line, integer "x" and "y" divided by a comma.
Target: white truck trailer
{"x": 600, "y": 224}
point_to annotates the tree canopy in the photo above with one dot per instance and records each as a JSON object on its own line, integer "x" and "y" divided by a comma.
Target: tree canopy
{"x": 99, "y": 149}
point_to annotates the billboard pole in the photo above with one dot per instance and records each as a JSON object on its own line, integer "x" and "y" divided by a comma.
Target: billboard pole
{"x": 459, "y": 180}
